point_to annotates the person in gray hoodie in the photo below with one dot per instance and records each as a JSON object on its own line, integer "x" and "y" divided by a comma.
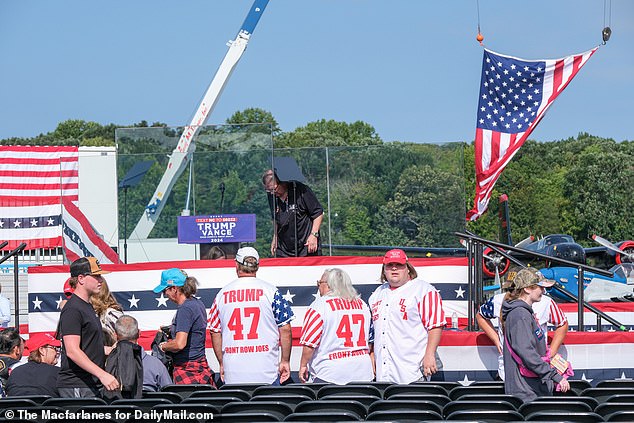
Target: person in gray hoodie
{"x": 527, "y": 374}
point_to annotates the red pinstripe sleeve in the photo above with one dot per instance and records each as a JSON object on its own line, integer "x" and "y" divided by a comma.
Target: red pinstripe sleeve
{"x": 557, "y": 316}
{"x": 312, "y": 329}
{"x": 213, "y": 320}
{"x": 432, "y": 314}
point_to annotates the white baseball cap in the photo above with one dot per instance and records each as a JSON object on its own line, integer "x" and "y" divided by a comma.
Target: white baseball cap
{"x": 245, "y": 252}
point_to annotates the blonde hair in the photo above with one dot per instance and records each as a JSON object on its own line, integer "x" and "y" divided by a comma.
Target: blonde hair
{"x": 104, "y": 300}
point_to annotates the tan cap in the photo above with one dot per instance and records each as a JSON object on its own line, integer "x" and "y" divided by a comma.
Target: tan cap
{"x": 526, "y": 277}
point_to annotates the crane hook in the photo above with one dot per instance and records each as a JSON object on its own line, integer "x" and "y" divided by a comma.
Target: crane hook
{"x": 606, "y": 34}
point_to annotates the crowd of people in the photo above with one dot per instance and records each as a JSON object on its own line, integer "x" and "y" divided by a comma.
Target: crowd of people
{"x": 393, "y": 337}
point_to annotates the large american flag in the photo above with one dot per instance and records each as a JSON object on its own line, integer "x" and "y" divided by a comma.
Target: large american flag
{"x": 39, "y": 186}
{"x": 35, "y": 175}
{"x": 514, "y": 96}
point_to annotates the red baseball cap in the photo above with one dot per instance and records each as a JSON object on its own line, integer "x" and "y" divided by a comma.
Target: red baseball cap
{"x": 38, "y": 340}
{"x": 68, "y": 290}
{"x": 395, "y": 256}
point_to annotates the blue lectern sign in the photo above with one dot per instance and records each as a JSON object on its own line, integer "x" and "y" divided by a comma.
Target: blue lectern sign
{"x": 216, "y": 228}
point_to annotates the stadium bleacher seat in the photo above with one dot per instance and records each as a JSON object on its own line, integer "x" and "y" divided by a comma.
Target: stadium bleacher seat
{"x": 486, "y": 416}
{"x": 12, "y": 402}
{"x": 332, "y": 390}
{"x": 186, "y": 390}
{"x": 621, "y": 398}
{"x": 487, "y": 405}
{"x": 286, "y": 389}
{"x": 573, "y": 406}
{"x": 565, "y": 416}
{"x": 170, "y": 396}
{"x": 616, "y": 383}
{"x": 456, "y": 393}
{"x": 38, "y": 399}
{"x": 290, "y": 399}
{"x": 248, "y": 418}
{"x": 516, "y": 401}
{"x": 379, "y": 385}
{"x": 441, "y": 400}
{"x": 403, "y": 416}
{"x": 366, "y": 400}
{"x": 607, "y": 408}
{"x": 239, "y": 393}
{"x": 602, "y": 394}
{"x": 419, "y": 388}
{"x": 592, "y": 402}
{"x": 396, "y": 405}
{"x": 216, "y": 401}
{"x": 620, "y": 416}
{"x": 331, "y": 416}
{"x": 578, "y": 385}
{"x": 248, "y": 387}
{"x": 445, "y": 384}
{"x": 314, "y": 386}
{"x": 328, "y": 406}
{"x": 276, "y": 408}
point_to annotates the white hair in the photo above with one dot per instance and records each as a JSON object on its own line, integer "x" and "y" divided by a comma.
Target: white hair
{"x": 340, "y": 284}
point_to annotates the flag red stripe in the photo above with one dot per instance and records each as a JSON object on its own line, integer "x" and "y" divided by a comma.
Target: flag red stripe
{"x": 41, "y": 187}
{"x": 35, "y": 161}
{"x": 495, "y": 150}
{"x": 557, "y": 77}
{"x": 33, "y": 244}
{"x": 39, "y": 174}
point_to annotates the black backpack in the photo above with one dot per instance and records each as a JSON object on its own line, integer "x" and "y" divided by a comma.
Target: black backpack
{"x": 163, "y": 335}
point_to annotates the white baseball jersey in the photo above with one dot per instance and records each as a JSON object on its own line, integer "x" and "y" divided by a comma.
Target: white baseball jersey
{"x": 402, "y": 317}
{"x": 248, "y": 312}
{"x": 339, "y": 330}
{"x": 546, "y": 311}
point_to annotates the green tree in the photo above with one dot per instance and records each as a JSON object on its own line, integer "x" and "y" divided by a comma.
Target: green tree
{"x": 328, "y": 133}
{"x": 425, "y": 210}
{"x": 255, "y": 115}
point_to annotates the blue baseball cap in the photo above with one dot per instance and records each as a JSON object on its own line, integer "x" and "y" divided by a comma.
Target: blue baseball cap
{"x": 171, "y": 277}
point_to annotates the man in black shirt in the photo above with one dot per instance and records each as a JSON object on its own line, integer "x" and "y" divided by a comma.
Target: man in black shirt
{"x": 297, "y": 215}
{"x": 82, "y": 371}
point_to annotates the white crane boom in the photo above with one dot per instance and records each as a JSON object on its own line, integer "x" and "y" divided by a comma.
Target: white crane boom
{"x": 182, "y": 153}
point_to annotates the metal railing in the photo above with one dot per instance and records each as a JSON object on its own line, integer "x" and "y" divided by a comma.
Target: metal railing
{"x": 475, "y": 246}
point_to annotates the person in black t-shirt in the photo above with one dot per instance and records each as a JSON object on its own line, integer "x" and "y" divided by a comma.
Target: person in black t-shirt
{"x": 297, "y": 215}
{"x": 82, "y": 371}
{"x": 39, "y": 375}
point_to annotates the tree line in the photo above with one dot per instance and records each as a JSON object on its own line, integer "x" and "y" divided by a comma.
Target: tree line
{"x": 374, "y": 192}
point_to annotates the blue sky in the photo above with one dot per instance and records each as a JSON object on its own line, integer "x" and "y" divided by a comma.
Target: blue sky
{"x": 410, "y": 68}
